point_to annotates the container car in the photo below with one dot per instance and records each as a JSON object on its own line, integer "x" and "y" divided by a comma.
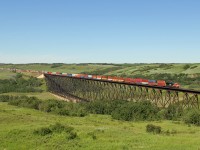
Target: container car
{"x": 161, "y": 83}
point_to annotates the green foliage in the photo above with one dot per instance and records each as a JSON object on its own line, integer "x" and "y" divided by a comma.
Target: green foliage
{"x": 43, "y": 131}
{"x": 143, "y": 110}
{"x": 173, "y": 112}
{"x": 192, "y": 117}
{"x": 153, "y": 129}
{"x": 57, "y": 128}
{"x": 53, "y": 106}
{"x": 19, "y": 84}
{"x": 72, "y": 135}
{"x": 4, "y": 98}
{"x": 103, "y": 106}
{"x": 25, "y": 101}
{"x": 186, "y": 67}
{"x": 56, "y": 65}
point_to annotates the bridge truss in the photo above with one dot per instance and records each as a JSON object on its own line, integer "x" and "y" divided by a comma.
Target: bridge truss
{"x": 90, "y": 90}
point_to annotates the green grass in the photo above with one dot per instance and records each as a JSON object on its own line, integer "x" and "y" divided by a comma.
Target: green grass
{"x": 5, "y": 74}
{"x": 94, "y": 132}
{"x": 43, "y": 95}
{"x": 128, "y": 70}
{"x": 69, "y": 68}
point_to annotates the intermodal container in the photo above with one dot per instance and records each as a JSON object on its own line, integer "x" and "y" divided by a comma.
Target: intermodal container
{"x": 104, "y": 77}
{"x": 138, "y": 80}
{"x": 64, "y": 74}
{"x": 161, "y": 83}
{"x": 127, "y": 80}
{"x": 115, "y": 79}
{"x": 89, "y": 76}
{"x": 144, "y": 82}
{"x": 110, "y": 78}
{"x": 94, "y": 76}
{"x": 152, "y": 82}
{"x": 74, "y": 75}
{"x": 120, "y": 79}
{"x": 99, "y": 77}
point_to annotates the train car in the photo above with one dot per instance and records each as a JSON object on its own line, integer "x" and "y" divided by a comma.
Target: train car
{"x": 172, "y": 84}
{"x": 110, "y": 78}
{"x": 152, "y": 82}
{"x": 161, "y": 83}
{"x": 176, "y": 85}
{"x": 64, "y": 74}
{"x": 98, "y": 77}
{"x": 145, "y": 82}
{"x": 104, "y": 77}
{"x": 120, "y": 79}
{"x": 90, "y": 76}
{"x": 128, "y": 80}
{"x": 69, "y": 75}
{"x": 94, "y": 76}
{"x": 138, "y": 80}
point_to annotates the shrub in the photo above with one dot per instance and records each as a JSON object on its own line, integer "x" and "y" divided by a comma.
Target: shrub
{"x": 143, "y": 110}
{"x": 4, "y": 98}
{"x": 103, "y": 106}
{"x": 51, "y": 105}
{"x": 57, "y": 128}
{"x": 192, "y": 117}
{"x": 186, "y": 67}
{"x": 153, "y": 129}
{"x": 72, "y": 135}
{"x": 42, "y": 131}
{"x": 173, "y": 112}
{"x": 60, "y": 128}
{"x": 25, "y": 101}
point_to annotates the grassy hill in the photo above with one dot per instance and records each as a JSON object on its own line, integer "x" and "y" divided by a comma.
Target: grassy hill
{"x": 128, "y": 69}
{"x": 188, "y": 75}
{"x": 17, "y": 126}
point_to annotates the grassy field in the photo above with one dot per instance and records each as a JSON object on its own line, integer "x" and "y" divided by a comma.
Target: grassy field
{"x": 43, "y": 95}
{"x": 69, "y": 68}
{"x": 94, "y": 132}
{"x": 5, "y": 74}
{"x": 129, "y": 69}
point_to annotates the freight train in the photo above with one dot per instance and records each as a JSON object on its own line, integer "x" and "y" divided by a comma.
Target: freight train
{"x": 139, "y": 81}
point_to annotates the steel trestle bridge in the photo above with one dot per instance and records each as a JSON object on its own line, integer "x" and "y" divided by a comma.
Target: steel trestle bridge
{"x": 82, "y": 89}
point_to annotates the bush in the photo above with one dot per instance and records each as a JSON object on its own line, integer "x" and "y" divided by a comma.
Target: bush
{"x": 19, "y": 84}
{"x": 51, "y": 105}
{"x": 72, "y": 135}
{"x": 192, "y": 117}
{"x": 173, "y": 112}
{"x": 4, "y": 98}
{"x": 103, "y": 106}
{"x": 57, "y": 128}
{"x": 153, "y": 129}
{"x": 186, "y": 67}
{"x": 25, "y": 101}
{"x": 42, "y": 131}
{"x": 143, "y": 110}
{"x": 63, "y": 108}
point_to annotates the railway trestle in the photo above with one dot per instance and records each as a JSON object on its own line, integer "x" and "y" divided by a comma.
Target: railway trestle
{"x": 90, "y": 90}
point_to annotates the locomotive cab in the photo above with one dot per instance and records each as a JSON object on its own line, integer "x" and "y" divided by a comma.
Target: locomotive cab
{"x": 172, "y": 84}
{"x": 176, "y": 85}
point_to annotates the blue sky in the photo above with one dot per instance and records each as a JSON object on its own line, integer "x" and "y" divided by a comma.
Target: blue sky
{"x": 112, "y": 31}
